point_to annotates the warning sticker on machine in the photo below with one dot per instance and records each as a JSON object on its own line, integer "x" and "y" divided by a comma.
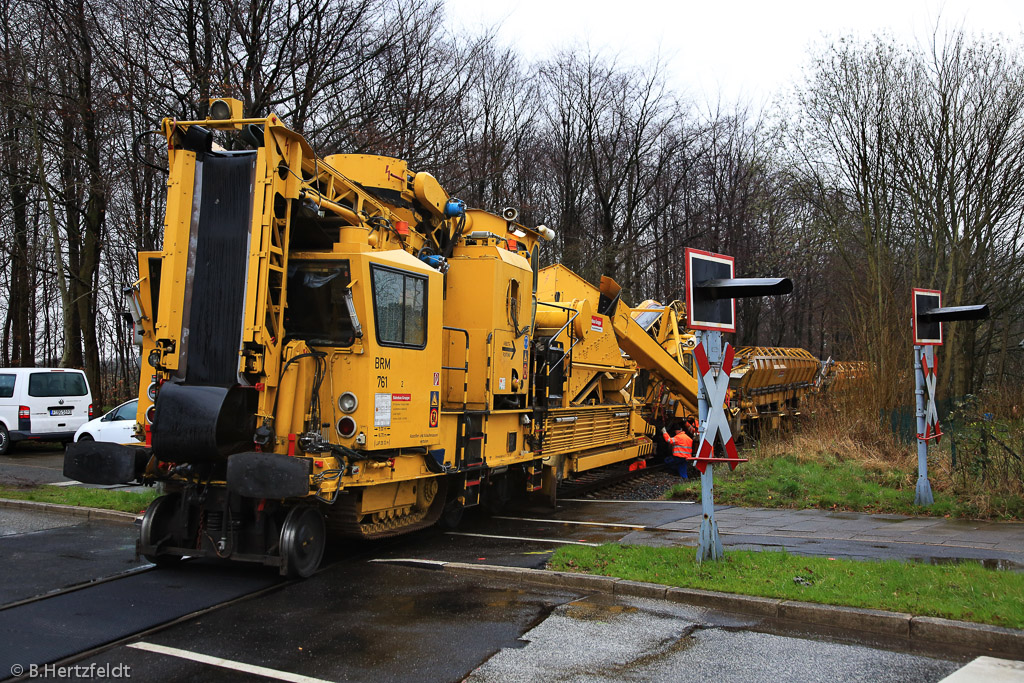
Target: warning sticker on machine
{"x": 435, "y": 408}
{"x": 596, "y": 324}
{"x": 401, "y": 397}
{"x": 382, "y": 410}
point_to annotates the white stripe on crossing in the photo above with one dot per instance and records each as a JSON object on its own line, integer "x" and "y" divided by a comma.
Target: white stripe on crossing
{"x": 523, "y": 538}
{"x": 631, "y": 502}
{"x": 226, "y": 663}
{"x": 988, "y": 669}
{"x": 398, "y": 560}
{"x": 572, "y": 521}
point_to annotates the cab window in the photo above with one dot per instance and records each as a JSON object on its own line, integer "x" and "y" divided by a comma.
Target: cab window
{"x": 317, "y": 311}
{"x": 7, "y": 386}
{"x": 688, "y": 363}
{"x": 46, "y": 384}
{"x": 399, "y": 307}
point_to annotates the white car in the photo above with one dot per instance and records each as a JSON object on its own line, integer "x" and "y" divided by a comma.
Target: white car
{"x": 117, "y": 426}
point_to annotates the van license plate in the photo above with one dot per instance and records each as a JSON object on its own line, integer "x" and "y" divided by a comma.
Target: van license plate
{"x": 60, "y": 411}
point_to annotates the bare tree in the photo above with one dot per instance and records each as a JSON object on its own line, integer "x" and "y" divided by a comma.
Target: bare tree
{"x": 960, "y": 163}
{"x": 849, "y": 150}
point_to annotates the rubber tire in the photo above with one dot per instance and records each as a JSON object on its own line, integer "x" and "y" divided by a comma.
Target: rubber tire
{"x": 497, "y": 495}
{"x": 85, "y": 437}
{"x": 154, "y": 523}
{"x": 451, "y": 518}
{"x": 303, "y": 539}
{"x": 5, "y": 440}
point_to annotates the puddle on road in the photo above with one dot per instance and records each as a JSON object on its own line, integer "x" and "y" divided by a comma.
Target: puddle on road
{"x": 845, "y": 515}
{"x": 586, "y": 610}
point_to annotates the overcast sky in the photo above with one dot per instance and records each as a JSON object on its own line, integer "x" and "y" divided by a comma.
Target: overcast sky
{"x": 739, "y": 49}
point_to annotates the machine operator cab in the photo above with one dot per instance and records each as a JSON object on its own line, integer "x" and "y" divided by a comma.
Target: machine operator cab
{"x": 377, "y": 316}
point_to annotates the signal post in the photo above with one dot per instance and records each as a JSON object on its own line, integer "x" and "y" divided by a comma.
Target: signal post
{"x": 927, "y": 320}
{"x": 711, "y": 293}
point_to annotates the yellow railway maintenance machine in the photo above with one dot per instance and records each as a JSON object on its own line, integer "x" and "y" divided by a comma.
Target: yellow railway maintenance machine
{"x": 336, "y": 345}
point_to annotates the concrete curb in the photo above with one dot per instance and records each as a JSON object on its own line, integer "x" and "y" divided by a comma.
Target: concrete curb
{"x": 93, "y": 514}
{"x": 979, "y": 638}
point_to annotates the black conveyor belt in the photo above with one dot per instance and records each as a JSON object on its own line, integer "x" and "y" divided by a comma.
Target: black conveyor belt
{"x": 201, "y": 424}
{"x": 218, "y": 283}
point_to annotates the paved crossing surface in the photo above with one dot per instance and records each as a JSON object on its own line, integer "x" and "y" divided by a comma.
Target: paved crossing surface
{"x": 809, "y": 532}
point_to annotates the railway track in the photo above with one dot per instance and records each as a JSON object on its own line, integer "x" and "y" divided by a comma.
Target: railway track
{"x": 86, "y": 619}
{"x": 80, "y": 621}
{"x": 605, "y": 481}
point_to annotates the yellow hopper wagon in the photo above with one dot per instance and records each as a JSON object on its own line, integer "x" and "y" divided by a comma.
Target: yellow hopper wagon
{"x": 769, "y": 384}
{"x": 842, "y": 377}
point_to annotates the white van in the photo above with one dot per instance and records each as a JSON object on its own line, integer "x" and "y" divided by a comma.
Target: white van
{"x": 43, "y": 404}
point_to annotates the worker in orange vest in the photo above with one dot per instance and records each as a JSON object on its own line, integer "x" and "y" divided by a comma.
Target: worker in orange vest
{"x": 690, "y": 428}
{"x": 682, "y": 450}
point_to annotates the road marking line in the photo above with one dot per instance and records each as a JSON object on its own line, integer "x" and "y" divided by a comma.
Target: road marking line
{"x": 398, "y": 560}
{"x": 226, "y": 663}
{"x": 987, "y": 669}
{"x": 523, "y": 538}
{"x": 573, "y": 521}
{"x": 644, "y": 502}
{"x": 37, "y": 467}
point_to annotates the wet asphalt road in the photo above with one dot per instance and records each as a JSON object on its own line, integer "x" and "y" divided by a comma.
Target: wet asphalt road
{"x": 33, "y": 464}
{"x": 43, "y": 552}
{"x": 358, "y": 621}
{"x": 601, "y": 638}
{"x": 361, "y": 622}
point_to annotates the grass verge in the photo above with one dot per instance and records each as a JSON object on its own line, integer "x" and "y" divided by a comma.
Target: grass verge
{"x": 965, "y": 591}
{"x": 125, "y": 501}
{"x": 848, "y": 459}
{"x": 790, "y": 481}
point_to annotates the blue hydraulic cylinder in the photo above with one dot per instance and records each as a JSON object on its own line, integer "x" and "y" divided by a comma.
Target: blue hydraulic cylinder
{"x": 455, "y": 208}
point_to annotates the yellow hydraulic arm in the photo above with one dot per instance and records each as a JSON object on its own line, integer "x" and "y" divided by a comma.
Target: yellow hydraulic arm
{"x": 650, "y": 355}
{"x": 645, "y": 349}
